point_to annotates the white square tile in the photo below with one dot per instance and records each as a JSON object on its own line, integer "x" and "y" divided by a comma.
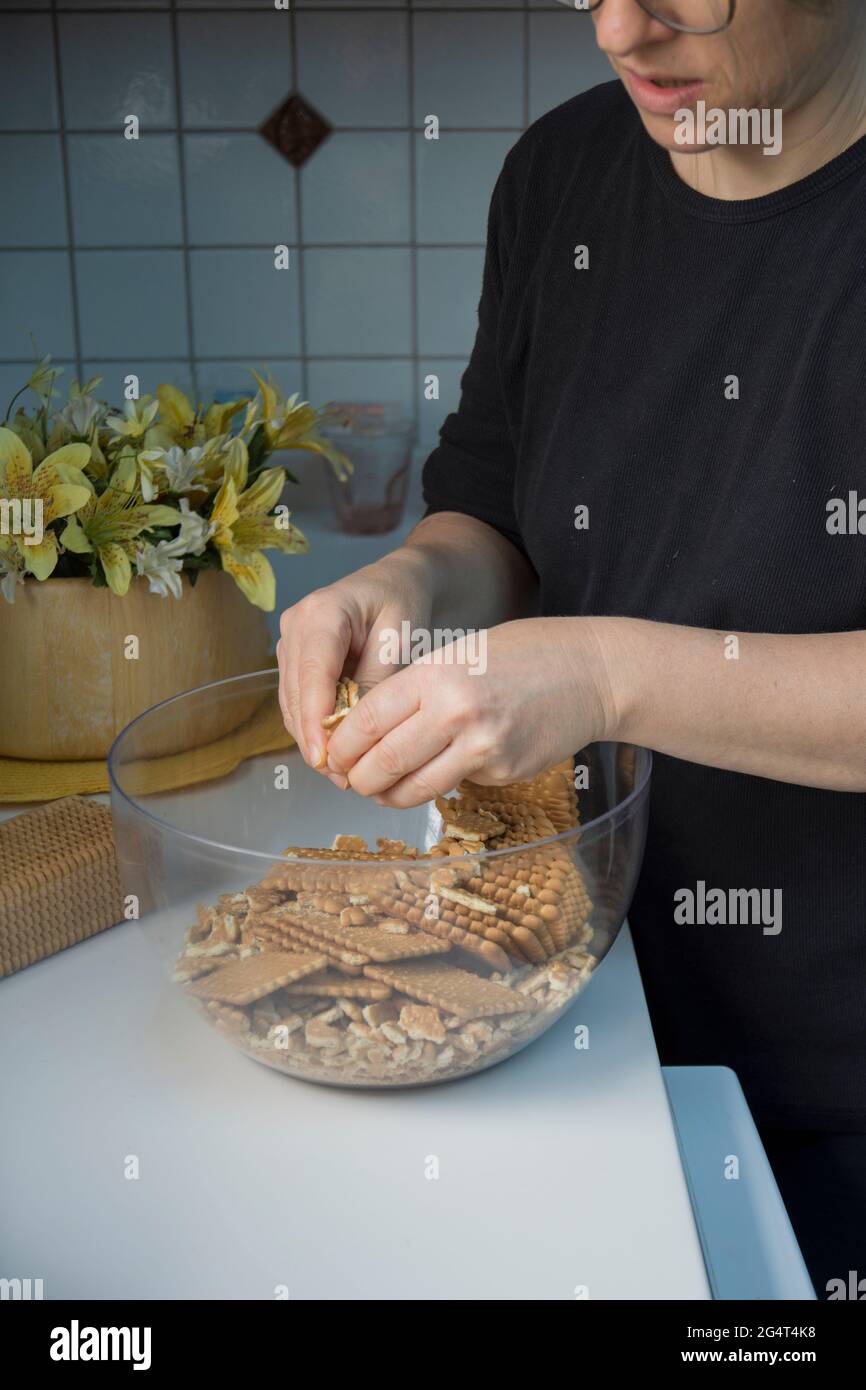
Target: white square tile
{"x": 114, "y": 66}
{"x": 235, "y": 68}
{"x": 564, "y": 59}
{"x": 357, "y": 301}
{"x": 232, "y": 379}
{"x": 455, "y": 176}
{"x": 240, "y": 190}
{"x": 36, "y": 297}
{"x": 432, "y": 413}
{"x": 150, "y": 375}
{"x": 32, "y": 171}
{"x": 466, "y": 4}
{"x": 29, "y": 100}
{"x": 449, "y": 288}
{"x": 348, "y": 4}
{"x": 229, "y": 4}
{"x": 367, "y": 381}
{"x": 112, "y": 4}
{"x": 243, "y": 306}
{"x": 354, "y": 67}
{"x": 132, "y": 304}
{"x": 125, "y": 192}
{"x": 469, "y": 68}
{"x": 355, "y": 188}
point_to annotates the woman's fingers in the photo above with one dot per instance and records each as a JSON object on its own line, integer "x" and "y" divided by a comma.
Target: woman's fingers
{"x": 380, "y": 710}
{"x": 411, "y": 744}
{"x": 435, "y": 778}
{"x": 319, "y": 669}
{"x": 316, "y": 636}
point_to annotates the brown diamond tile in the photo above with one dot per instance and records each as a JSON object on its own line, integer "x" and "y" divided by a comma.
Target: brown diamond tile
{"x": 296, "y": 129}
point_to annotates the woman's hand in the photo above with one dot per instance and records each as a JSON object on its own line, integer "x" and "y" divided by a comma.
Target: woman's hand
{"x": 336, "y": 631}
{"x": 538, "y": 696}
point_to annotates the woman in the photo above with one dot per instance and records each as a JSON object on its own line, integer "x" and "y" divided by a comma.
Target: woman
{"x": 661, "y": 450}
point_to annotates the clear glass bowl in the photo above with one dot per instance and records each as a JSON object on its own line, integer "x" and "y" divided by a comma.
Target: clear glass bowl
{"x": 387, "y": 971}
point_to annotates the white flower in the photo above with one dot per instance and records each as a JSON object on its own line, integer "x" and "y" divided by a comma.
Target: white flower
{"x": 195, "y": 531}
{"x": 11, "y": 575}
{"x": 160, "y": 565}
{"x": 181, "y": 468}
{"x": 80, "y": 415}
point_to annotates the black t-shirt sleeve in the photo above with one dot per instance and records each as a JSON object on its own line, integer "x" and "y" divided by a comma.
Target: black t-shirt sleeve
{"x": 472, "y": 469}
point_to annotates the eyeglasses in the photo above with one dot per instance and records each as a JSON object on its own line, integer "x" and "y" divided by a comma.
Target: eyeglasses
{"x": 686, "y": 16}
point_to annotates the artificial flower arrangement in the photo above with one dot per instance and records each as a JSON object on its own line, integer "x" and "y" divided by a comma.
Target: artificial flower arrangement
{"x": 162, "y": 489}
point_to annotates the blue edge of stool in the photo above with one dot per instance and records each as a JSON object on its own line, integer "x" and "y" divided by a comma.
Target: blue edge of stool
{"x": 748, "y": 1244}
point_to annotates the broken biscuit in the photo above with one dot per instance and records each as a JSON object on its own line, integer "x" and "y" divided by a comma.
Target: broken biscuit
{"x": 348, "y": 695}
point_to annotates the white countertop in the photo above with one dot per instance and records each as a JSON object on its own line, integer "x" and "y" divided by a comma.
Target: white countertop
{"x": 557, "y": 1169}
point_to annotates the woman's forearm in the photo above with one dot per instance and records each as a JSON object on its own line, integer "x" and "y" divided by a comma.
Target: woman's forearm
{"x": 790, "y": 708}
{"x": 477, "y": 579}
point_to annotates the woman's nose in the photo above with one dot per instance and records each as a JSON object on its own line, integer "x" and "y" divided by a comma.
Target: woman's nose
{"x": 622, "y": 26}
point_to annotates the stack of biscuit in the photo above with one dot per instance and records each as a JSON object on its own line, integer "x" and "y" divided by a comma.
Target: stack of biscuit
{"x": 396, "y": 966}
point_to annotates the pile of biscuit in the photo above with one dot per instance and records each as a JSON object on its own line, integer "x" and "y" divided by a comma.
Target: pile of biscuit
{"x": 395, "y": 966}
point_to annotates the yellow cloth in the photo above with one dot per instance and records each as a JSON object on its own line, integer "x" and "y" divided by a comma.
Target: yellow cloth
{"x": 23, "y": 780}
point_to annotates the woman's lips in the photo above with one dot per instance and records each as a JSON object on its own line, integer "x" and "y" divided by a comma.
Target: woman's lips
{"x": 662, "y": 101}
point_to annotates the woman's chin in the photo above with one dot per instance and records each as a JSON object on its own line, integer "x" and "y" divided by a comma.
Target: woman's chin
{"x": 663, "y": 130}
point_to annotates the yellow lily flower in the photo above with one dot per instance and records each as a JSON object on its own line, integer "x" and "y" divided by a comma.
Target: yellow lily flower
{"x": 185, "y": 425}
{"x": 291, "y": 424}
{"x": 29, "y": 434}
{"x": 242, "y": 527}
{"x": 109, "y": 523}
{"x": 43, "y": 377}
{"x": 136, "y": 420}
{"x": 57, "y": 484}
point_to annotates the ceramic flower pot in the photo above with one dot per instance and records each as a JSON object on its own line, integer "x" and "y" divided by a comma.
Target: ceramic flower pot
{"x": 78, "y": 663}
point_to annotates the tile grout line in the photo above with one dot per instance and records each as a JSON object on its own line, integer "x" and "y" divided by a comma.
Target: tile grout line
{"x": 67, "y": 190}
{"x": 123, "y": 246}
{"x": 299, "y": 5}
{"x": 526, "y": 47}
{"x": 413, "y": 224}
{"x": 184, "y": 210}
{"x": 299, "y": 220}
{"x": 212, "y": 130}
{"x": 273, "y": 357}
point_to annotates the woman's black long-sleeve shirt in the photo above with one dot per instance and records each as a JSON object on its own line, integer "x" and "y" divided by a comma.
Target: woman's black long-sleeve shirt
{"x": 698, "y": 385}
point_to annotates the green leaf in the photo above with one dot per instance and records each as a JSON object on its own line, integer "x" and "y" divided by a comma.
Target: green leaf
{"x": 97, "y": 576}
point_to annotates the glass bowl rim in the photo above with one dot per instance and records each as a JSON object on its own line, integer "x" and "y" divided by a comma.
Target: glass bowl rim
{"x": 485, "y": 856}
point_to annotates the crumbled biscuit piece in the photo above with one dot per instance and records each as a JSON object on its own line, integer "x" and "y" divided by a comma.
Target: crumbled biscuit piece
{"x": 470, "y": 826}
{"x": 347, "y": 697}
{"x": 376, "y": 1014}
{"x": 352, "y": 843}
{"x": 422, "y": 1023}
{"x": 393, "y": 1032}
{"x": 319, "y": 1034}
{"x": 395, "y": 849}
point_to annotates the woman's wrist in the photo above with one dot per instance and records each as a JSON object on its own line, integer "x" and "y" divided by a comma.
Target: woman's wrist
{"x": 409, "y": 577}
{"x": 610, "y": 646}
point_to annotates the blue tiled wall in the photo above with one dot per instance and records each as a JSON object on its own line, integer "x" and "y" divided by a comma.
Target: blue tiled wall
{"x": 156, "y": 256}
